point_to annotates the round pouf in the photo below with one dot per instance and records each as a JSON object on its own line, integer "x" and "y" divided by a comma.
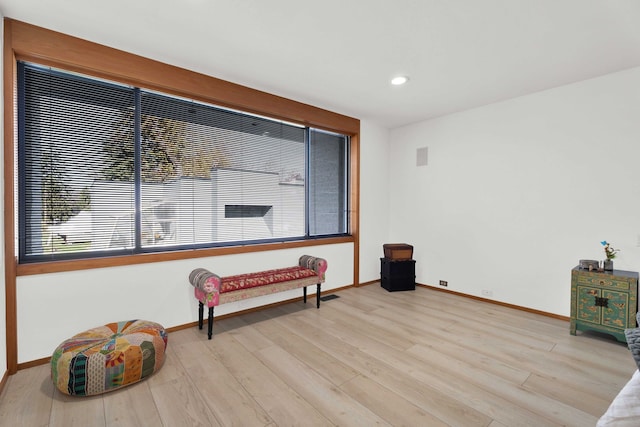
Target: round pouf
{"x": 108, "y": 357}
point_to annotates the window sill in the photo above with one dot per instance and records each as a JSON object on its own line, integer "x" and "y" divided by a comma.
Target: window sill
{"x": 116, "y": 261}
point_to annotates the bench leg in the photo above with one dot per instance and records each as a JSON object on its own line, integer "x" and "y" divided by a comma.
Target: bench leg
{"x": 200, "y": 314}
{"x": 210, "y": 322}
{"x": 304, "y": 294}
{"x": 318, "y": 296}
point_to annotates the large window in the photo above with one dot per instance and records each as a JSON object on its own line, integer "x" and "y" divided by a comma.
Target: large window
{"x": 108, "y": 169}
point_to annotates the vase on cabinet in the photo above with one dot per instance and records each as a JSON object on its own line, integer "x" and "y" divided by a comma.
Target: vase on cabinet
{"x": 607, "y": 265}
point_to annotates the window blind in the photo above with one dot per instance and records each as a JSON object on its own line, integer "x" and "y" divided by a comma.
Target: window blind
{"x": 110, "y": 169}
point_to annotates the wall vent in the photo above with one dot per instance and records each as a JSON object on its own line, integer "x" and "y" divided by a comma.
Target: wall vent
{"x": 422, "y": 154}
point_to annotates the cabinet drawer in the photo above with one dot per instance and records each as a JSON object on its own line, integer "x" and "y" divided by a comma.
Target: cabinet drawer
{"x": 398, "y": 284}
{"x": 397, "y": 268}
{"x": 620, "y": 283}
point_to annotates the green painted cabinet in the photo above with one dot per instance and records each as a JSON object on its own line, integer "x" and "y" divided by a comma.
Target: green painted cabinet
{"x": 604, "y": 301}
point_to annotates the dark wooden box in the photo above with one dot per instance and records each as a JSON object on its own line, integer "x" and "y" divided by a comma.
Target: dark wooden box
{"x": 397, "y": 275}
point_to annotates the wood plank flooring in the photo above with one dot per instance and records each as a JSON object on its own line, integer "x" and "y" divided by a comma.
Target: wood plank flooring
{"x": 370, "y": 357}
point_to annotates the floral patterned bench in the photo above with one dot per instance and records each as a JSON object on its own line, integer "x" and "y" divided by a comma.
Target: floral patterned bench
{"x": 212, "y": 290}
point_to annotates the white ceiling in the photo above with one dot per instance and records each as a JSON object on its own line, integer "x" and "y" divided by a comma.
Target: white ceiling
{"x": 341, "y": 54}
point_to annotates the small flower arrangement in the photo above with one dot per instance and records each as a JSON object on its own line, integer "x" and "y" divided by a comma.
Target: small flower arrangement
{"x": 609, "y": 251}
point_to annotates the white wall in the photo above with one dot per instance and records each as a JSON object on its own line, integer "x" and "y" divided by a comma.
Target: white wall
{"x": 515, "y": 193}
{"x": 374, "y": 198}
{"x": 53, "y": 307}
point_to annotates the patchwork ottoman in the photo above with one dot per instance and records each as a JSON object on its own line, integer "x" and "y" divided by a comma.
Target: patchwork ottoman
{"x": 108, "y": 357}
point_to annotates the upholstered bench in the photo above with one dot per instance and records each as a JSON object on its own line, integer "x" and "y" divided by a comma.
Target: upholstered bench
{"x": 212, "y": 290}
{"x": 108, "y": 357}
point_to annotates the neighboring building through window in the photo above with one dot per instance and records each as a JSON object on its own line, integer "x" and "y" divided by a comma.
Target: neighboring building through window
{"x": 108, "y": 169}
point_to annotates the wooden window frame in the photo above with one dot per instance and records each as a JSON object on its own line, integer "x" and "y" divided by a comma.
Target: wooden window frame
{"x": 30, "y": 43}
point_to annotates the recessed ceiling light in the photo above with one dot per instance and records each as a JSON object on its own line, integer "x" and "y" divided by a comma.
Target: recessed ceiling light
{"x": 400, "y": 80}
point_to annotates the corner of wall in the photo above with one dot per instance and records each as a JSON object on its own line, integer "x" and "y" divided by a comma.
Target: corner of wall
{"x": 374, "y": 198}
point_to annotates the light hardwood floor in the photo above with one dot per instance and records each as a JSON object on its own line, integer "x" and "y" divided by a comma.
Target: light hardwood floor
{"x": 370, "y": 357}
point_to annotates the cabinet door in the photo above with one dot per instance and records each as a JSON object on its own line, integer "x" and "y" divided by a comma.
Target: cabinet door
{"x": 615, "y": 313}
{"x": 603, "y": 306}
{"x": 588, "y": 311}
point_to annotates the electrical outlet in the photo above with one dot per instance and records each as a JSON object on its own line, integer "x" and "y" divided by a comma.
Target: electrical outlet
{"x": 487, "y": 293}
{"x": 444, "y": 283}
